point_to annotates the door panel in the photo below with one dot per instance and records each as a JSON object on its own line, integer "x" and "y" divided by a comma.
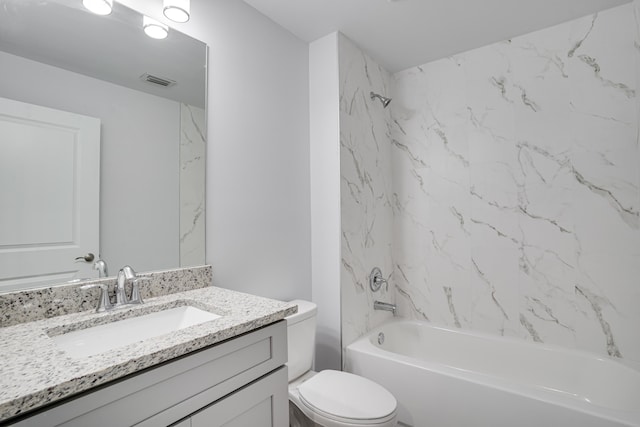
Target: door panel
{"x": 49, "y": 194}
{"x": 261, "y": 404}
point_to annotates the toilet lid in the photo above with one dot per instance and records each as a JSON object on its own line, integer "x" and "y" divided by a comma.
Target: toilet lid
{"x": 344, "y": 395}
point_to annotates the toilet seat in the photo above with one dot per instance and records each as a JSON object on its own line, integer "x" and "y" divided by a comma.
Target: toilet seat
{"x": 346, "y": 399}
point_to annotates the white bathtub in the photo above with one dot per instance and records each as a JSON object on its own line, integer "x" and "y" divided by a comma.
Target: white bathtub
{"x": 449, "y": 378}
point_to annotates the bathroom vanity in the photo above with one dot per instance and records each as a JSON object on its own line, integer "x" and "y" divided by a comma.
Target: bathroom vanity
{"x": 226, "y": 371}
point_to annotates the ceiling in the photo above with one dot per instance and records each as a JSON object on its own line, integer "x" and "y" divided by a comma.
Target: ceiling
{"x": 401, "y": 34}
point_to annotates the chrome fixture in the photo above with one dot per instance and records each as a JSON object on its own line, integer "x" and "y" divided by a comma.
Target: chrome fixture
{"x": 136, "y": 298}
{"x": 177, "y": 10}
{"x": 380, "y": 338}
{"x": 385, "y": 101}
{"x": 104, "y": 304}
{"x": 99, "y": 7}
{"x": 378, "y": 305}
{"x": 101, "y": 266}
{"x": 128, "y": 275}
{"x": 125, "y": 275}
{"x": 376, "y": 280}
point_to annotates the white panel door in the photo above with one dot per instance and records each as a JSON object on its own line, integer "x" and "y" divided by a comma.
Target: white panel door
{"x": 49, "y": 194}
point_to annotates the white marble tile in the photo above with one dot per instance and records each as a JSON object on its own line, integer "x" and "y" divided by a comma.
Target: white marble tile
{"x": 546, "y": 280}
{"x": 494, "y": 290}
{"x": 516, "y": 186}
{"x": 365, "y": 186}
{"x": 192, "y": 185}
{"x": 606, "y": 296}
{"x": 602, "y": 63}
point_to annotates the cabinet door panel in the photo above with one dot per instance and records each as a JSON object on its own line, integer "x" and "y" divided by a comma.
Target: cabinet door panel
{"x": 264, "y": 403}
{"x": 258, "y": 416}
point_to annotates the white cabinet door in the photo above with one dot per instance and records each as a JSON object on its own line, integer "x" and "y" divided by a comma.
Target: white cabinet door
{"x": 49, "y": 194}
{"x": 265, "y": 403}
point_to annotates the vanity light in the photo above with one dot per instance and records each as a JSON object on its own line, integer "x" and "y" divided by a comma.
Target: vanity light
{"x": 177, "y": 10}
{"x": 154, "y": 29}
{"x": 99, "y": 7}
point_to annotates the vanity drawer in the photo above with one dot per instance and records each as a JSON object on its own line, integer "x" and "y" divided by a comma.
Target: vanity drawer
{"x": 175, "y": 389}
{"x": 263, "y": 403}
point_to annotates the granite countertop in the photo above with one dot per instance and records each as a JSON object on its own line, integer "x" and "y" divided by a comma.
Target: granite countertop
{"x": 35, "y": 372}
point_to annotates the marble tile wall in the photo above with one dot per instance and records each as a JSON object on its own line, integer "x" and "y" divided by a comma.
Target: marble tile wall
{"x": 365, "y": 189}
{"x": 515, "y": 191}
{"x": 193, "y": 143}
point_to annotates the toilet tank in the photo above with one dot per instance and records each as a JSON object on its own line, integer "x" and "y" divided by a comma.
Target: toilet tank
{"x": 301, "y": 338}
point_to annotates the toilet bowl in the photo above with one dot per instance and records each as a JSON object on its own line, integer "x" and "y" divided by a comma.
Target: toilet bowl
{"x": 331, "y": 398}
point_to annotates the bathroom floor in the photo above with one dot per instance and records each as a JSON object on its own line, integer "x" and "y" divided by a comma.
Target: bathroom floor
{"x": 298, "y": 419}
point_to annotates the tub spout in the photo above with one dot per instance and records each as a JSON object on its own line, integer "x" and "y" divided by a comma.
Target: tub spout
{"x": 378, "y": 305}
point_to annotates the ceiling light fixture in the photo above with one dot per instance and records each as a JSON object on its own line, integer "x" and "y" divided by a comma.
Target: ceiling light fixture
{"x": 177, "y": 10}
{"x": 99, "y": 7}
{"x": 154, "y": 29}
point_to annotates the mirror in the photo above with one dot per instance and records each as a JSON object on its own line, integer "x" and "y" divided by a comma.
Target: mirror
{"x": 147, "y": 98}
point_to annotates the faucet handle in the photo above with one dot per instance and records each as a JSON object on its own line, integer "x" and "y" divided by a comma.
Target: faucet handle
{"x": 101, "y": 266}
{"x": 136, "y": 298}
{"x": 376, "y": 280}
{"x": 104, "y": 304}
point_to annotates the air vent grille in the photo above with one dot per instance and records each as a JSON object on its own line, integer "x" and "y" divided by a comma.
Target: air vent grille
{"x": 159, "y": 81}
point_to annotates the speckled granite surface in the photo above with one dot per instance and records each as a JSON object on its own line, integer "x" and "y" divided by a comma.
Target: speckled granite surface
{"x": 36, "y": 304}
{"x": 34, "y": 372}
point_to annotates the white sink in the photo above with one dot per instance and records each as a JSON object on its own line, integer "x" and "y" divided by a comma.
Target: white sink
{"x": 103, "y": 338}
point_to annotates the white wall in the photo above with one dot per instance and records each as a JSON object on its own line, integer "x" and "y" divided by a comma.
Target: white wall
{"x": 258, "y": 204}
{"x": 139, "y": 153}
{"x": 325, "y": 197}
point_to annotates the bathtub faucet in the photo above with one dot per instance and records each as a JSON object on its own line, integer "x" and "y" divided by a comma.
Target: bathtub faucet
{"x": 378, "y": 305}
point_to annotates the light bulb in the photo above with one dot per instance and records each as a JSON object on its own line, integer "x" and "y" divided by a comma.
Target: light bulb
{"x": 99, "y": 7}
{"x": 177, "y": 10}
{"x": 154, "y": 29}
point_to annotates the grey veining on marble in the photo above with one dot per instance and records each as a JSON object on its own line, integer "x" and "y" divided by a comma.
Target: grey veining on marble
{"x": 192, "y": 184}
{"x": 35, "y": 304}
{"x": 516, "y": 186}
{"x": 365, "y": 184}
{"x": 34, "y": 372}
{"x": 500, "y": 191}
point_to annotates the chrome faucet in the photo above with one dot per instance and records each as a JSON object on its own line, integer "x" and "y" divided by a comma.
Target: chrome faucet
{"x": 101, "y": 266}
{"x": 128, "y": 275}
{"x": 125, "y": 275}
{"x": 378, "y": 305}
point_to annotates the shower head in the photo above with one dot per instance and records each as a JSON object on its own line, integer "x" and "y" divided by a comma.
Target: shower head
{"x": 385, "y": 101}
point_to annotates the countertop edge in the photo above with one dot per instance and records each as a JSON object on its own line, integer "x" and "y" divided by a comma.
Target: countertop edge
{"x": 49, "y": 394}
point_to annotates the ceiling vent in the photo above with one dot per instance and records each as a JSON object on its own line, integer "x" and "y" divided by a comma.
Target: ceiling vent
{"x": 159, "y": 81}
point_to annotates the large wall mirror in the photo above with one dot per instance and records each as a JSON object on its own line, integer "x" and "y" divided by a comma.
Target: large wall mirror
{"x": 102, "y": 144}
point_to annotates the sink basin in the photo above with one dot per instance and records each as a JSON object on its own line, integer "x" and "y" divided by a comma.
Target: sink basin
{"x": 103, "y": 338}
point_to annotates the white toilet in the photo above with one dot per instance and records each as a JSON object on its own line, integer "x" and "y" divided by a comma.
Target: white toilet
{"x": 331, "y": 398}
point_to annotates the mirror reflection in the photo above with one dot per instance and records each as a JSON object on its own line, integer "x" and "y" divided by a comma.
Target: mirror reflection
{"x": 102, "y": 143}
